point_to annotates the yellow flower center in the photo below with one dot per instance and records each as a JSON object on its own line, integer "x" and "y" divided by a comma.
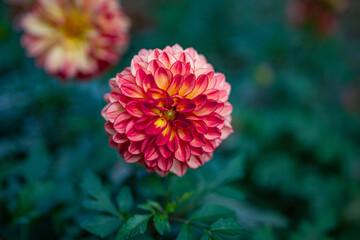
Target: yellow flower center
{"x": 170, "y": 115}
{"x": 76, "y": 24}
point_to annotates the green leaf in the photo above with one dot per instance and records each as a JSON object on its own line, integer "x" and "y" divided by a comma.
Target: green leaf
{"x": 151, "y": 206}
{"x": 206, "y": 236}
{"x": 124, "y": 199}
{"x": 230, "y": 192}
{"x": 101, "y": 226}
{"x": 133, "y": 226}
{"x": 233, "y": 171}
{"x": 101, "y": 197}
{"x": 37, "y": 164}
{"x": 228, "y": 227}
{"x": 211, "y": 213}
{"x": 185, "y": 233}
{"x": 161, "y": 223}
{"x": 170, "y": 207}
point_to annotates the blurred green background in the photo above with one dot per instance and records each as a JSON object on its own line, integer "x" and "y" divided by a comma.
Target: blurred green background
{"x": 296, "y": 98}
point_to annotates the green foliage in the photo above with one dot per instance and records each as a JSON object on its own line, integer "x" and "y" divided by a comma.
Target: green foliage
{"x": 228, "y": 227}
{"x": 101, "y": 225}
{"x": 161, "y": 223}
{"x": 211, "y": 213}
{"x": 133, "y": 226}
{"x": 100, "y": 197}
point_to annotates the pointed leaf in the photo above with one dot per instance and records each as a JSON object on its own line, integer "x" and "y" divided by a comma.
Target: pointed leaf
{"x": 161, "y": 223}
{"x": 124, "y": 199}
{"x": 101, "y": 197}
{"x": 211, "y": 213}
{"x": 101, "y": 226}
{"x": 133, "y": 226}
{"x": 228, "y": 227}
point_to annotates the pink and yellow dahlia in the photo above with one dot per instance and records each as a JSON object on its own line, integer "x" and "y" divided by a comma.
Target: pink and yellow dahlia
{"x": 75, "y": 39}
{"x": 168, "y": 111}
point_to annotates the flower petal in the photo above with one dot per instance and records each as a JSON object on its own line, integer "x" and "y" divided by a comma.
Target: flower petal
{"x": 201, "y": 85}
{"x": 114, "y": 110}
{"x": 130, "y": 158}
{"x": 183, "y": 152}
{"x": 213, "y": 133}
{"x": 173, "y": 143}
{"x": 164, "y": 164}
{"x": 156, "y": 126}
{"x": 179, "y": 168}
{"x": 132, "y": 91}
{"x": 134, "y": 108}
{"x": 154, "y": 65}
{"x": 136, "y": 135}
{"x": 162, "y": 78}
{"x": 209, "y": 108}
{"x": 121, "y": 121}
{"x": 175, "y": 85}
{"x": 164, "y": 136}
{"x": 213, "y": 120}
{"x": 151, "y": 152}
{"x": 185, "y": 105}
{"x": 188, "y": 84}
{"x": 178, "y": 68}
{"x": 186, "y": 134}
{"x": 149, "y": 110}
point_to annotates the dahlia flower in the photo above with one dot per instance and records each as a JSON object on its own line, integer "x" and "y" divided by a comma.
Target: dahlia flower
{"x": 319, "y": 15}
{"x": 168, "y": 111}
{"x": 18, "y": 8}
{"x": 75, "y": 39}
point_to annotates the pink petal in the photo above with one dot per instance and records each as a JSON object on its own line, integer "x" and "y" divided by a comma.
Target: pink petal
{"x": 188, "y": 84}
{"x": 213, "y": 120}
{"x": 148, "y": 82}
{"x": 178, "y": 68}
{"x": 149, "y": 110}
{"x": 121, "y": 121}
{"x": 209, "y": 108}
{"x": 156, "y": 126}
{"x": 213, "y": 133}
{"x": 134, "y": 108}
{"x": 164, "y": 136}
{"x": 183, "y": 152}
{"x": 163, "y": 78}
{"x": 132, "y": 91}
{"x": 134, "y": 148}
{"x": 154, "y": 65}
{"x": 200, "y": 102}
{"x": 136, "y": 135}
{"x": 155, "y": 93}
{"x": 179, "y": 168}
{"x": 200, "y": 86}
{"x": 195, "y": 162}
{"x": 175, "y": 85}
{"x": 140, "y": 74}
{"x": 130, "y": 158}
{"x": 173, "y": 143}
{"x": 185, "y": 105}
{"x": 165, "y": 164}
{"x": 151, "y": 153}
{"x": 113, "y": 111}
{"x": 186, "y": 134}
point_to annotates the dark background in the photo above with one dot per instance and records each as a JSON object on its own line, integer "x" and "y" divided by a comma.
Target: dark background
{"x": 296, "y": 98}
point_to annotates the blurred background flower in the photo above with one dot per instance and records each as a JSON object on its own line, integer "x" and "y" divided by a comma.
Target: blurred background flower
{"x": 317, "y": 15}
{"x": 168, "y": 111}
{"x": 17, "y": 8}
{"x": 75, "y": 39}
